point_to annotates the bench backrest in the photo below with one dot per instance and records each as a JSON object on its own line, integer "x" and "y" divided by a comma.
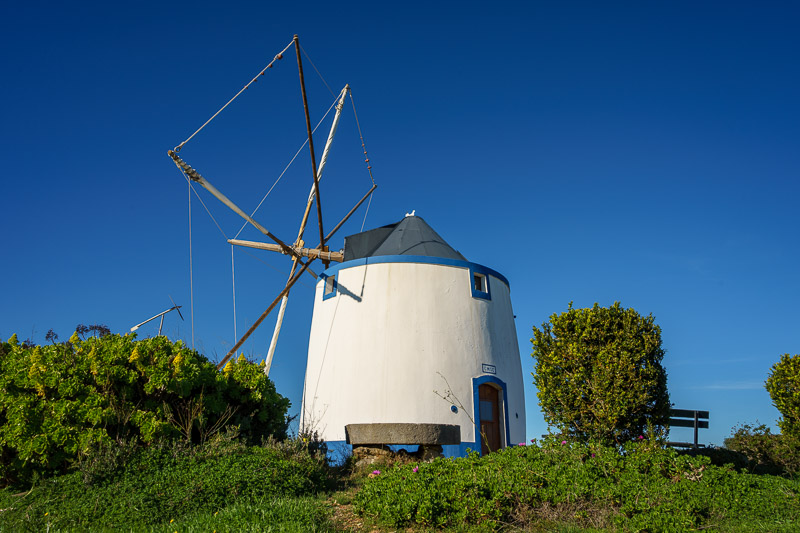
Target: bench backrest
{"x": 688, "y": 418}
{"x": 678, "y": 418}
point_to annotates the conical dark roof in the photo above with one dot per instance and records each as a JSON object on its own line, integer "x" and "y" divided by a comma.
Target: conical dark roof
{"x": 410, "y": 236}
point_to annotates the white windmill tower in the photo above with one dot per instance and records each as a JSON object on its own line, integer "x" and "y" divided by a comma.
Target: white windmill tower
{"x": 398, "y": 316}
{"x": 402, "y": 316}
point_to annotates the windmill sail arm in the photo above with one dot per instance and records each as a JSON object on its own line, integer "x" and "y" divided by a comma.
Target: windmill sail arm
{"x": 310, "y": 140}
{"x": 274, "y": 342}
{"x": 326, "y": 151}
{"x": 196, "y": 177}
{"x": 304, "y": 252}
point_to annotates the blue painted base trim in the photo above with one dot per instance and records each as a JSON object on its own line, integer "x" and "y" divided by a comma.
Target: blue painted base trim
{"x": 460, "y": 450}
{"x": 339, "y": 451}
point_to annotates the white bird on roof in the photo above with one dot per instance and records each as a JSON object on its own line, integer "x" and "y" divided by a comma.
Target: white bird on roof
{"x": 411, "y": 214}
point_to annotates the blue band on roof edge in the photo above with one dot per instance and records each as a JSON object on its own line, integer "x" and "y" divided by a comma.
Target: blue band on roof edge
{"x": 377, "y": 259}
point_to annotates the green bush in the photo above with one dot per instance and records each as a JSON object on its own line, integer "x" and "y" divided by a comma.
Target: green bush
{"x": 766, "y": 452}
{"x": 61, "y": 403}
{"x": 721, "y": 457}
{"x": 640, "y": 487}
{"x": 166, "y": 482}
{"x": 599, "y": 376}
{"x": 783, "y": 385}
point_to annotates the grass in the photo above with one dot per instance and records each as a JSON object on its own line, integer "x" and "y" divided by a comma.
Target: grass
{"x": 585, "y": 487}
{"x": 270, "y": 515}
{"x": 162, "y": 486}
{"x": 282, "y": 488}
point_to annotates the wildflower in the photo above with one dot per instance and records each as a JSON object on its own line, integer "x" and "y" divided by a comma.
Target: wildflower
{"x": 533, "y": 441}
{"x": 171, "y": 520}
{"x": 46, "y": 513}
{"x": 228, "y": 367}
{"x": 376, "y": 472}
{"x": 641, "y": 437}
{"x": 563, "y": 442}
{"x": 521, "y": 444}
{"x": 415, "y": 469}
{"x": 592, "y": 455}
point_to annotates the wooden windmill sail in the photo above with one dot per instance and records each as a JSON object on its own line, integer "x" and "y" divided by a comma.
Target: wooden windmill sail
{"x": 302, "y": 256}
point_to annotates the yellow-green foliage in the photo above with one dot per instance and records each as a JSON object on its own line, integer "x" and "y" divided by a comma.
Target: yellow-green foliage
{"x": 599, "y": 375}
{"x": 60, "y": 402}
{"x": 783, "y": 386}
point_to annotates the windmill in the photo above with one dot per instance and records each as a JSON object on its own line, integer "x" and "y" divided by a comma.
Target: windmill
{"x": 302, "y": 256}
{"x": 175, "y": 307}
{"x": 399, "y": 316}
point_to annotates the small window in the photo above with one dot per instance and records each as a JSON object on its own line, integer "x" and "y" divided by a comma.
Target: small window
{"x": 480, "y": 284}
{"x": 330, "y": 287}
{"x": 479, "y": 281}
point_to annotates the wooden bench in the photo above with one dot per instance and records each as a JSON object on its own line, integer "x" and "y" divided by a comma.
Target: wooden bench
{"x": 687, "y": 418}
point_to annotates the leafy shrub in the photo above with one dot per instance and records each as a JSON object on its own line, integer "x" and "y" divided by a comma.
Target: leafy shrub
{"x": 643, "y": 487}
{"x": 721, "y": 457}
{"x": 783, "y": 385}
{"x": 61, "y": 403}
{"x": 166, "y": 482}
{"x": 599, "y": 375}
{"x": 765, "y": 451}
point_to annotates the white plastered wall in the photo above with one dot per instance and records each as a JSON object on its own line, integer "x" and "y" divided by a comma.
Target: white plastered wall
{"x": 391, "y": 336}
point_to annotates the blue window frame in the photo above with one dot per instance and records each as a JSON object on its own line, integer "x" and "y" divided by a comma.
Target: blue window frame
{"x": 329, "y": 287}
{"x": 479, "y": 283}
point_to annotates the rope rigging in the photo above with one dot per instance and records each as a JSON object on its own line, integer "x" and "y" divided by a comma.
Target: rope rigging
{"x": 279, "y": 56}
{"x": 191, "y": 277}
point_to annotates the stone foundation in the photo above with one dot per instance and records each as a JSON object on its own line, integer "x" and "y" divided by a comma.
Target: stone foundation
{"x": 402, "y": 433}
{"x": 371, "y": 441}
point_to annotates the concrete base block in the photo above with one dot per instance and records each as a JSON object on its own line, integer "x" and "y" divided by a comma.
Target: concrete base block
{"x": 402, "y": 433}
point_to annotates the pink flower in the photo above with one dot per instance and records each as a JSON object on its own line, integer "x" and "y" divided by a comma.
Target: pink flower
{"x": 521, "y": 444}
{"x": 641, "y": 437}
{"x": 592, "y": 455}
{"x": 563, "y": 442}
{"x": 415, "y": 469}
{"x": 533, "y": 441}
{"x": 376, "y": 472}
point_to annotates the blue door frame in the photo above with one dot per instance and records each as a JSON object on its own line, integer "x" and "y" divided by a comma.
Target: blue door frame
{"x": 477, "y": 382}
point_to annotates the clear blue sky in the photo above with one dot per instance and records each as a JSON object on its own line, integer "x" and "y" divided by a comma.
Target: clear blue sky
{"x": 645, "y": 153}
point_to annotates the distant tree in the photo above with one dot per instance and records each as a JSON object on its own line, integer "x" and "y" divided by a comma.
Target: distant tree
{"x": 101, "y": 330}
{"x": 599, "y": 373}
{"x": 783, "y": 385}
